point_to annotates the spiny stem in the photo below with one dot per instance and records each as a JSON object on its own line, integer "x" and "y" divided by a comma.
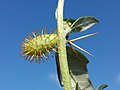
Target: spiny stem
{"x": 62, "y": 47}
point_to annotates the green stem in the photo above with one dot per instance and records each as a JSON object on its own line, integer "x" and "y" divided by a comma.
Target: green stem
{"x": 62, "y": 47}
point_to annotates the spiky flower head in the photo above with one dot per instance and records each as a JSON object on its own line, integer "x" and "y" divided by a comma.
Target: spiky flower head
{"x": 34, "y": 48}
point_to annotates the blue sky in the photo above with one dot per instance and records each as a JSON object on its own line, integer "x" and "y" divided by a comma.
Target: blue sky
{"x": 19, "y": 17}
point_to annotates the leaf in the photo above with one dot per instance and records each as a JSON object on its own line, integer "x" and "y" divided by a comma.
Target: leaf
{"x": 83, "y": 23}
{"x": 77, "y": 69}
{"x": 58, "y": 69}
{"x": 102, "y": 87}
{"x": 76, "y": 87}
{"x": 79, "y": 25}
{"x": 71, "y": 20}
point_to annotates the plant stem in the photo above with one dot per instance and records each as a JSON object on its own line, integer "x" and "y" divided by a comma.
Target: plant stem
{"x": 62, "y": 47}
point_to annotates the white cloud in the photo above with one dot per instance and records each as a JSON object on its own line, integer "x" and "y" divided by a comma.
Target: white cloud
{"x": 53, "y": 76}
{"x": 118, "y": 78}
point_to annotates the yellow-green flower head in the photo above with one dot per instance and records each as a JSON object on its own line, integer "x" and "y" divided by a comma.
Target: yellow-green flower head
{"x": 34, "y": 48}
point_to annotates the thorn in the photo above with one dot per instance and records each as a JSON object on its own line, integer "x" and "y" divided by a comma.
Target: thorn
{"x": 29, "y": 36}
{"x": 82, "y": 37}
{"x": 26, "y": 40}
{"x": 51, "y": 48}
{"x": 33, "y": 34}
{"x": 21, "y": 52}
{"x": 46, "y": 50}
{"x": 31, "y": 57}
{"x": 27, "y": 57}
{"x": 40, "y": 54}
{"x": 73, "y": 49}
{"x": 80, "y": 48}
{"x": 54, "y": 49}
{"x": 45, "y": 30}
{"x": 37, "y": 59}
{"x": 23, "y": 44}
{"x": 38, "y": 32}
{"x": 26, "y": 53}
{"x": 50, "y": 54}
{"x": 46, "y": 57}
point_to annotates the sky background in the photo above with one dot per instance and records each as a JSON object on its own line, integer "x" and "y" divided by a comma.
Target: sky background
{"x": 19, "y": 17}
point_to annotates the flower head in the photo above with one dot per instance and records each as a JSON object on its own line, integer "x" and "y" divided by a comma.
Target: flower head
{"x": 34, "y": 48}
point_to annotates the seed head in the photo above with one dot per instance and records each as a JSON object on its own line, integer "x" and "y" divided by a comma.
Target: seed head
{"x": 35, "y": 47}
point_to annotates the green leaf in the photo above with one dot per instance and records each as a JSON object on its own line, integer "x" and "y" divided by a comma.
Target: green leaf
{"x": 79, "y": 25}
{"x": 76, "y": 87}
{"x": 83, "y": 23}
{"x": 102, "y": 87}
{"x": 70, "y": 20}
{"x": 77, "y": 64}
